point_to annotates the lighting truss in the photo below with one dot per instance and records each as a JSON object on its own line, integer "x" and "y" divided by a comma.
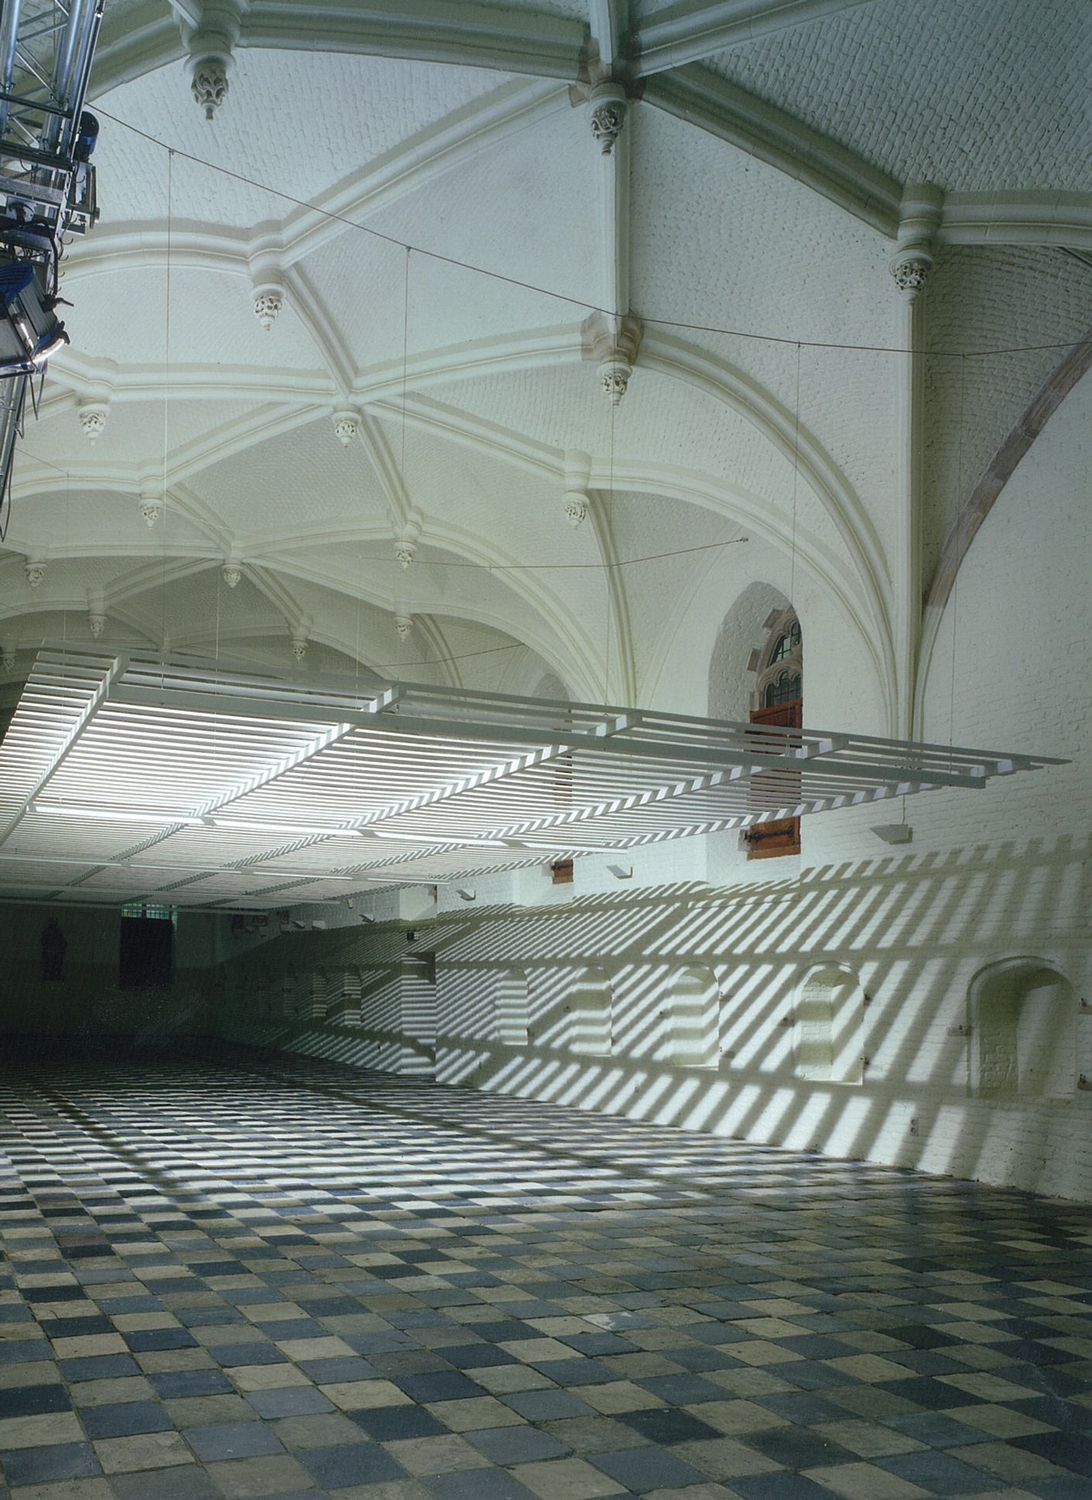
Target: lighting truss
{"x": 125, "y": 777}
{"x": 47, "y": 185}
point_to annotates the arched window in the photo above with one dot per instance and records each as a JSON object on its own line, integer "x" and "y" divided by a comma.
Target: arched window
{"x": 783, "y": 688}
{"x": 777, "y": 701}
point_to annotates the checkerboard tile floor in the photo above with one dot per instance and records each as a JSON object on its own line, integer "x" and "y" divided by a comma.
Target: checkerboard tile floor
{"x": 263, "y": 1276}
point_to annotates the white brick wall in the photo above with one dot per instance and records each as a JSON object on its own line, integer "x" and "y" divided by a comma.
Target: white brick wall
{"x": 990, "y": 876}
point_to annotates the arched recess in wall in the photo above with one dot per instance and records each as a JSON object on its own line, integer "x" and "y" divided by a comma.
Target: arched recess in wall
{"x": 694, "y": 1021}
{"x": 828, "y": 1025}
{"x": 1023, "y": 1016}
{"x": 511, "y": 1008}
{"x": 732, "y": 664}
{"x": 588, "y": 1003}
{"x": 316, "y": 999}
{"x": 289, "y": 993}
{"x": 343, "y": 1002}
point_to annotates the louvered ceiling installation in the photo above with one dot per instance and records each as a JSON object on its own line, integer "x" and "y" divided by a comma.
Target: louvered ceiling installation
{"x": 124, "y": 777}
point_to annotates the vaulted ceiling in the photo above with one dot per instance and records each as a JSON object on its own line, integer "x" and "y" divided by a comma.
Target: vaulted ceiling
{"x": 336, "y": 391}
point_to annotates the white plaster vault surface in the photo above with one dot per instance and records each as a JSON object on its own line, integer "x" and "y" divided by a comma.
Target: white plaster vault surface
{"x": 422, "y": 190}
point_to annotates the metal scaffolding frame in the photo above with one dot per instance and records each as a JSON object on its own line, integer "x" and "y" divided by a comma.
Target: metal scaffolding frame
{"x": 127, "y": 777}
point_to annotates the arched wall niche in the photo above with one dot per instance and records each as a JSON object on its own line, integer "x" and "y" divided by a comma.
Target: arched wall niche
{"x": 512, "y": 1008}
{"x": 589, "y": 1005}
{"x": 695, "y": 1019}
{"x": 828, "y": 1025}
{"x": 1023, "y": 1018}
{"x": 743, "y": 632}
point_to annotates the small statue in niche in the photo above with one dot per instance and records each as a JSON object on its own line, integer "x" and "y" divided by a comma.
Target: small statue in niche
{"x": 53, "y": 951}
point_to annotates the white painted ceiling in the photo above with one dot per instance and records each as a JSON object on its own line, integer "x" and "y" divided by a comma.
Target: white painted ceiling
{"x": 421, "y": 185}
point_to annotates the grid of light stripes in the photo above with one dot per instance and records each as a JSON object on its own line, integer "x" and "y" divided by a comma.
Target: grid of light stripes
{"x": 126, "y": 777}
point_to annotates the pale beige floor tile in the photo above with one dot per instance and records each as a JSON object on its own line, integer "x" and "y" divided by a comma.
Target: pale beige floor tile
{"x": 120, "y": 1388}
{"x": 137, "y": 1322}
{"x": 998, "y": 1421}
{"x": 565, "y": 1479}
{"x": 87, "y": 1345}
{"x": 360, "y": 1395}
{"x": 724, "y": 1458}
{"x": 205, "y": 1411}
{"x": 759, "y": 1352}
{"x": 168, "y": 1361}
{"x": 865, "y": 1482}
{"x": 871, "y": 1368}
{"x": 147, "y": 1450}
{"x": 242, "y": 1478}
{"x": 473, "y": 1413}
{"x": 32, "y": 1372}
{"x": 329, "y": 1347}
{"x": 989, "y": 1387}
{"x": 736, "y": 1416}
{"x": 619, "y": 1395}
{"x": 267, "y": 1377}
{"x": 694, "y": 1492}
{"x": 1013, "y": 1465}
{"x": 214, "y": 1334}
{"x": 749, "y": 1382}
{"x": 507, "y": 1378}
{"x": 538, "y": 1351}
{"x": 40, "y": 1431}
{"x": 317, "y": 1430}
{"x": 67, "y": 1489}
{"x": 869, "y": 1439}
{"x": 436, "y": 1455}
{"x": 391, "y": 1489}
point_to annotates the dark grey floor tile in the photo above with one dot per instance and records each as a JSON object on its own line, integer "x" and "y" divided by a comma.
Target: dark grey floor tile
{"x": 517, "y": 1445}
{"x": 548, "y": 1405}
{"x": 799, "y": 1447}
{"x": 185, "y": 1482}
{"x": 667, "y": 1425}
{"x": 478, "y": 1484}
{"x": 124, "y": 1419}
{"x": 33, "y": 1400}
{"x": 175, "y": 1383}
{"x": 386, "y": 1424}
{"x": 351, "y": 1464}
{"x": 439, "y": 1385}
{"x": 936, "y": 1473}
{"x": 26, "y": 1466}
{"x": 1069, "y": 1450}
{"x": 289, "y": 1401}
{"x": 936, "y": 1429}
{"x": 232, "y": 1440}
{"x": 643, "y": 1469}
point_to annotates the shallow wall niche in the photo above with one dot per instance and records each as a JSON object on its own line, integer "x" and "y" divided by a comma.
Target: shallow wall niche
{"x": 695, "y": 1016}
{"x": 511, "y": 1008}
{"x": 828, "y": 1023}
{"x": 1023, "y": 1016}
{"x": 588, "y": 1003}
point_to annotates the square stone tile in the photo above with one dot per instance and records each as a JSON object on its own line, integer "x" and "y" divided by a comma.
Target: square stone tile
{"x": 152, "y": 1450}
{"x": 862, "y": 1481}
{"x": 436, "y": 1455}
{"x": 479, "y": 1412}
{"x": 565, "y": 1479}
{"x": 60, "y": 1461}
{"x": 251, "y": 1478}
